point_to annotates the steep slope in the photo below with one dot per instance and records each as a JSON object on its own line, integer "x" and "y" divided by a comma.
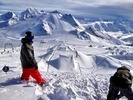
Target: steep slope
{"x": 54, "y": 24}
{"x": 7, "y": 16}
{"x": 29, "y": 13}
{"x": 112, "y": 25}
{"x": 8, "y": 19}
{"x": 104, "y": 36}
{"x": 43, "y": 23}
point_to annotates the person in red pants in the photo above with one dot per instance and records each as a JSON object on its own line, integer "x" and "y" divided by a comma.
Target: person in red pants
{"x": 29, "y": 64}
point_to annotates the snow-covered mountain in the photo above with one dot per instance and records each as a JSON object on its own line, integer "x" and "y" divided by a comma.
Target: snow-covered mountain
{"x": 111, "y": 25}
{"x": 53, "y": 21}
{"x": 8, "y": 19}
{"x": 29, "y": 13}
{"x": 50, "y": 23}
{"x": 56, "y": 23}
{"x": 43, "y": 23}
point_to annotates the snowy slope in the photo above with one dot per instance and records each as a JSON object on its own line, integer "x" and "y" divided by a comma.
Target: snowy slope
{"x": 29, "y": 13}
{"x": 54, "y": 23}
{"x": 8, "y": 19}
{"x": 42, "y": 23}
{"x": 110, "y": 25}
{"x": 118, "y": 27}
{"x": 75, "y": 69}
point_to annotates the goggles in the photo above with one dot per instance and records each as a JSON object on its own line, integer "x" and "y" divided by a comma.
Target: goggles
{"x": 30, "y": 37}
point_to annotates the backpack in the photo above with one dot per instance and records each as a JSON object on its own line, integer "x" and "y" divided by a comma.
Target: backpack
{"x": 121, "y": 79}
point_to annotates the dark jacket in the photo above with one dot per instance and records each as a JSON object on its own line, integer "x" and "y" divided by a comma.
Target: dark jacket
{"x": 122, "y": 78}
{"x": 27, "y": 54}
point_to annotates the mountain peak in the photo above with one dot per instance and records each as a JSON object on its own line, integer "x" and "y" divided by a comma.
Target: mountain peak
{"x": 7, "y": 16}
{"x": 29, "y": 13}
{"x": 30, "y": 9}
{"x": 55, "y": 11}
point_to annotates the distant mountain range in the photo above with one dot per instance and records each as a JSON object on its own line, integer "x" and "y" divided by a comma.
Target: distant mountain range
{"x": 53, "y": 23}
{"x": 117, "y": 24}
{"x": 39, "y": 22}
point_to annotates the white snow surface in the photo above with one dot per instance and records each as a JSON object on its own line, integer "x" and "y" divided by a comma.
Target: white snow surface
{"x": 74, "y": 69}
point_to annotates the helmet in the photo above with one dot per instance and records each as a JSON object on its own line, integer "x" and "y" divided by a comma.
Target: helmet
{"x": 29, "y": 35}
{"x": 5, "y": 69}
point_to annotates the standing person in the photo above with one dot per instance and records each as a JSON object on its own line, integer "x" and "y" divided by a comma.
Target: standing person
{"x": 29, "y": 64}
{"x": 120, "y": 84}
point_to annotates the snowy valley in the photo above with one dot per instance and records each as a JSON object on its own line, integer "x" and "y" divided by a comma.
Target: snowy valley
{"x": 75, "y": 56}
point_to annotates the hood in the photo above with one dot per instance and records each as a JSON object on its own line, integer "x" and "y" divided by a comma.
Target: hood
{"x": 123, "y": 68}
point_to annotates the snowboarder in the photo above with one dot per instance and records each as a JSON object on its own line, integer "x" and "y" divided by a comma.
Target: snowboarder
{"x": 120, "y": 84}
{"x": 29, "y": 64}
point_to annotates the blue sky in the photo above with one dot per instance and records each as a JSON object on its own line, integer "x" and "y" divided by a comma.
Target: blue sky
{"x": 74, "y": 7}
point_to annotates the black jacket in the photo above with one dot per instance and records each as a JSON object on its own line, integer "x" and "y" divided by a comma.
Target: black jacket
{"x": 27, "y": 54}
{"x": 122, "y": 78}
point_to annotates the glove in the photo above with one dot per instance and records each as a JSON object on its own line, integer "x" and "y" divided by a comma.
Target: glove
{"x": 35, "y": 64}
{"x": 36, "y": 67}
{"x": 118, "y": 97}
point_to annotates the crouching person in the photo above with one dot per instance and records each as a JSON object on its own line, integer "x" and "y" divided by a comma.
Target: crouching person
{"x": 120, "y": 84}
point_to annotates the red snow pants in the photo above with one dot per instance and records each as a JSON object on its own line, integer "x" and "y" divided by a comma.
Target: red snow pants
{"x": 27, "y": 72}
